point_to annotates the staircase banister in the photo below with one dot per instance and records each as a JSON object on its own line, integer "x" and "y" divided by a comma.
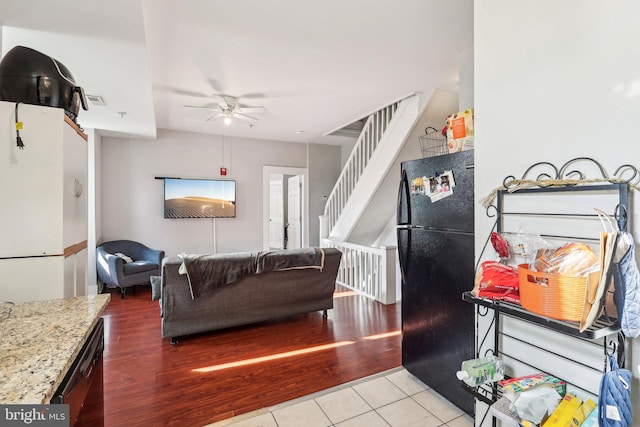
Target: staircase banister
{"x": 367, "y": 147}
{"x": 345, "y": 170}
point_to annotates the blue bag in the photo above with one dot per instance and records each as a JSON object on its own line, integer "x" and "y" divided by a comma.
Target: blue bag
{"x": 614, "y": 401}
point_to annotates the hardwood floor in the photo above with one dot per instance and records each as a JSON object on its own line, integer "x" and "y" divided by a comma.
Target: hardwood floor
{"x": 213, "y": 376}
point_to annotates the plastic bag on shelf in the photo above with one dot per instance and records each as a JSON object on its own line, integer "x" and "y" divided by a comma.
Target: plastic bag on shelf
{"x": 525, "y": 245}
{"x": 534, "y": 404}
{"x": 571, "y": 259}
{"x": 496, "y": 281}
{"x": 500, "y": 245}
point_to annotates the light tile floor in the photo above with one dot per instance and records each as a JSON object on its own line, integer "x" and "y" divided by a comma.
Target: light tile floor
{"x": 394, "y": 398}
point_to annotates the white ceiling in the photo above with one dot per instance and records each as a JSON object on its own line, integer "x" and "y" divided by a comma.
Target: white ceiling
{"x": 314, "y": 65}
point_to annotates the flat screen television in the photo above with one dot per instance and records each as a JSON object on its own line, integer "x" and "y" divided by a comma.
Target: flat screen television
{"x": 199, "y": 198}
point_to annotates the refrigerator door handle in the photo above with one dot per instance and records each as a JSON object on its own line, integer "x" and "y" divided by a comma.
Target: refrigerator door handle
{"x": 403, "y": 191}
{"x": 406, "y": 232}
{"x": 402, "y": 225}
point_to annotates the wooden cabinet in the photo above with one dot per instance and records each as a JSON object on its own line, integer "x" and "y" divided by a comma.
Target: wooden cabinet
{"x": 43, "y": 220}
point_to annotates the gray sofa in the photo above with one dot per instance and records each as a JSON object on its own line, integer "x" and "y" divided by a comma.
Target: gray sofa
{"x": 255, "y": 287}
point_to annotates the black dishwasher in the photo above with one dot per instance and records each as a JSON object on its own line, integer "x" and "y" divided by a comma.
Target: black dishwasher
{"x": 82, "y": 387}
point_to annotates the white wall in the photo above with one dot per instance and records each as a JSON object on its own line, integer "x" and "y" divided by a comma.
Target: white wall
{"x": 345, "y": 151}
{"x": 324, "y": 169}
{"x": 465, "y": 80}
{"x": 94, "y": 218}
{"x": 97, "y": 164}
{"x": 132, "y": 200}
{"x": 554, "y": 81}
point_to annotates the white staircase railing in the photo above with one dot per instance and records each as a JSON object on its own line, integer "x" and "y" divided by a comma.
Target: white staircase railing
{"x": 362, "y": 151}
{"x": 366, "y": 270}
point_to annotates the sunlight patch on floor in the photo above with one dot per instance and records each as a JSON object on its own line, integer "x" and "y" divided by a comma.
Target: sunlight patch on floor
{"x": 385, "y": 335}
{"x": 272, "y": 357}
{"x": 344, "y": 294}
{"x": 290, "y": 353}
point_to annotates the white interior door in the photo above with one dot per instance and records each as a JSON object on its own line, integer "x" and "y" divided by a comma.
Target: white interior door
{"x": 294, "y": 197}
{"x": 267, "y": 171}
{"x": 276, "y": 217}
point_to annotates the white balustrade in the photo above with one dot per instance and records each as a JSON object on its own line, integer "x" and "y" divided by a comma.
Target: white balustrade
{"x": 367, "y": 270}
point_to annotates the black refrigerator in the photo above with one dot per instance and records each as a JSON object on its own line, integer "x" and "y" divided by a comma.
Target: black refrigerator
{"x": 436, "y": 253}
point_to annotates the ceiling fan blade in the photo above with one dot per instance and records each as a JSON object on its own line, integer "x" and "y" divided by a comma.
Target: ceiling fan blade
{"x": 216, "y": 108}
{"x": 244, "y": 117}
{"x": 216, "y": 86}
{"x": 254, "y": 95}
{"x": 212, "y": 118}
{"x": 250, "y": 110}
{"x": 223, "y": 100}
{"x": 179, "y": 91}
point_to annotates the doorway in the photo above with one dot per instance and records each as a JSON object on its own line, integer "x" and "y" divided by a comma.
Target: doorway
{"x": 285, "y": 208}
{"x": 277, "y": 212}
{"x": 294, "y": 211}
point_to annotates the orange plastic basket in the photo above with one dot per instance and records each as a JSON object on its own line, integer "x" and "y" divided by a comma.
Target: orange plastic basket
{"x": 553, "y": 295}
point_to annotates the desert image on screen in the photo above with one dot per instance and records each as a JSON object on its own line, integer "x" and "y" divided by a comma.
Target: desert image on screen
{"x": 199, "y": 199}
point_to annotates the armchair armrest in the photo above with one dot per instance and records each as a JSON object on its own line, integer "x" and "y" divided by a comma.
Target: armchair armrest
{"x": 152, "y": 255}
{"x": 109, "y": 268}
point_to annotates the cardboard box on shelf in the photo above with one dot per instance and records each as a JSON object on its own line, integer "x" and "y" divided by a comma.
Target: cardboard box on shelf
{"x": 460, "y": 131}
{"x": 520, "y": 384}
{"x": 592, "y": 419}
{"x": 563, "y": 413}
{"x": 571, "y": 412}
{"x": 582, "y": 413}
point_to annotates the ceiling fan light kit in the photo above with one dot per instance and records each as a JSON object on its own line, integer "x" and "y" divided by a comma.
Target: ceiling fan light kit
{"x": 227, "y": 117}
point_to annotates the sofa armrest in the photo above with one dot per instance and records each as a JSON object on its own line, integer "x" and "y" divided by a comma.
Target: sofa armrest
{"x": 169, "y": 271}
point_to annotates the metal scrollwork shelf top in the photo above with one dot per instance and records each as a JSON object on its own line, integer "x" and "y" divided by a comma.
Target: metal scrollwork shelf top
{"x": 571, "y": 173}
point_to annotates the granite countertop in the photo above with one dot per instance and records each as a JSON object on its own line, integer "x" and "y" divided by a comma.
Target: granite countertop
{"x": 40, "y": 342}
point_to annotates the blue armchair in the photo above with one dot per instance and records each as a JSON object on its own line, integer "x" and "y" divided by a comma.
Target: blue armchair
{"x": 125, "y": 263}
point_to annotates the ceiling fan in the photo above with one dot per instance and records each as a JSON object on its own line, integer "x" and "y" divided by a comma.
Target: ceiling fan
{"x": 228, "y": 108}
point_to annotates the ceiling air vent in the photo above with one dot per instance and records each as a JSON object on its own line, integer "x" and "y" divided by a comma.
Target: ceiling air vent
{"x": 95, "y": 99}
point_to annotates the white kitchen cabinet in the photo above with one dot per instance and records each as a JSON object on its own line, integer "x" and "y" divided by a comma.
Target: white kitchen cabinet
{"x": 43, "y": 219}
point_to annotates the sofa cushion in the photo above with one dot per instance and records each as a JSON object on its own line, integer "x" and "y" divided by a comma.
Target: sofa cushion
{"x": 138, "y": 267}
{"x": 156, "y": 287}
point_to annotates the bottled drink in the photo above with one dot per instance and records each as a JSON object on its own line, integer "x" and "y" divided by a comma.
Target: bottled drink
{"x": 480, "y": 371}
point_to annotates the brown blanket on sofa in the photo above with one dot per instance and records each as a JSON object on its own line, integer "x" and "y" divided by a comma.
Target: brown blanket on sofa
{"x": 210, "y": 271}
